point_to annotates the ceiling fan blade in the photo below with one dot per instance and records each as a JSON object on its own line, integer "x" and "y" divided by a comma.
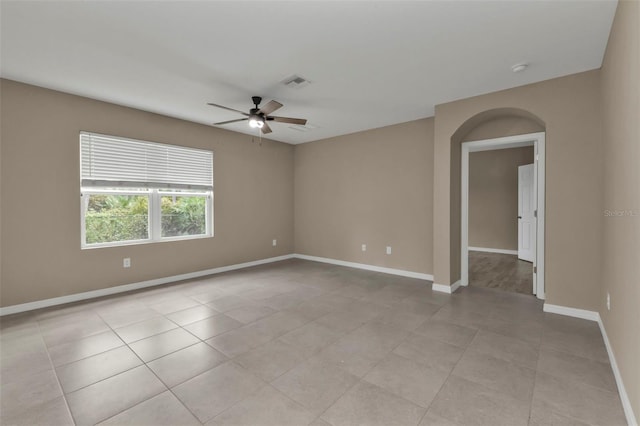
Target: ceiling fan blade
{"x": 229, "y": 109}
{"x": 230, "y": 121}
{"x": 270, "y": 107}
{"x": 266, "y": 129}
{"x": 300, "y": 121}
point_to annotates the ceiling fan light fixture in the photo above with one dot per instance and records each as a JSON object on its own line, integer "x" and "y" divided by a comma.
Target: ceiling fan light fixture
{"x": 256, "y": 122}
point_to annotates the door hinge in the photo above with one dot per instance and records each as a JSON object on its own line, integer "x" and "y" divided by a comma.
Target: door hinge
{"x": 537, "y": 157}
{"x": 535, "y": 269}
{"x": 535, "y": 213}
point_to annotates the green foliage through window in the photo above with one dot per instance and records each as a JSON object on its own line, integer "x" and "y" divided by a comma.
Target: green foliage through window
{"x": 114, "y": 217}
{"x": 183, "y": 215}
{"x": 110, "y": 218}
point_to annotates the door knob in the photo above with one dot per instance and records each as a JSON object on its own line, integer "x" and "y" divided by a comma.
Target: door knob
{"x": 519, "y": 217}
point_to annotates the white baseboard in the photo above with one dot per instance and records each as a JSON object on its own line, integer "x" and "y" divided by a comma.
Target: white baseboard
{"x": 624, "y": 397}
{"x": 39, "y": 304}
{"x": 367, "y": 267}
{"x": 595, "y": 316}
{"x": 571, "y": 312}
{"x": 494, "y": 250}
{"x": 444, "y": 288}
{"x": 14, "y": 309}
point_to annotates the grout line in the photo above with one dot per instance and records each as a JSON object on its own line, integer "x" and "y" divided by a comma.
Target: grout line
{"x": 55, "y": 373}
{"x": 152, "y": 372}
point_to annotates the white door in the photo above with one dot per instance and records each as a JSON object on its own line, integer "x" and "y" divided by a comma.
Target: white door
{"x": 526, "y": 208}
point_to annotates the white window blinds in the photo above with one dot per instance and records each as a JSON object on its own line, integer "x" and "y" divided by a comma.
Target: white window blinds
{"x": 110, "y": 161}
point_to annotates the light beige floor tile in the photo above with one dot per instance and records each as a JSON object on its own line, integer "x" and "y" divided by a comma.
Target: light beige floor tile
{"x": 574, "y": 336}
{"x": 319, "y": 422}
{"x": 212, "y": 326}
{"x": 312, "y": 337}
{"x": 543, "y": 415}
{"x": 28, "y": 391}
{"x": 54, "y": 412}
{"x": 315, "y": 384}
{"x": 278, "y": 324}
{"x": 229, "y": 302}
{"x": 73, "y": 331}
{"x": 367, "y": 404}
{"x": 239, "y": 341}
{"x": 349, "y": 358}
{"x": 514, "y": 350}
{"x": 373, "y": 340}
{"x": 212, "y": 392}
{"x": 572, "y": 367}
{"x": 431, "y": 419}
{"x": 18, "y": 365}
{"x": 104, "y": 399}
{"x": 528, "y": 330}
{"x": 267, "y": 407}
{"x": 497, "y": 374}
{"x": 402, "y": 318}
{"x": 176, "y": 303}
{"x": 468, "y": 403}
{"x": 161, "y": 410}
{"x": 408, "y": 379}
{"x": 207, "y": 295}
{"x": 417, "y": 306}
{"x": 578, "y": 401}
{"x": 345, "y": 321}
{"x": 83, "y": 348}
{"x": 311, "y": 309}
{"x": 429, "y": 352}
{"x": 186, "y": 363}
{"x": 191, "y": 315}
{"x": 144, "y": 329}
{"x": 453, "y": 334}
{"x": 272, "y": 359}
{"x": 247, "y": 314}
{"x": 463, "y": 316}
{"x": 162, "y": 344}
{"x": 90, "y": 370}
{"x": 118, "y": 318}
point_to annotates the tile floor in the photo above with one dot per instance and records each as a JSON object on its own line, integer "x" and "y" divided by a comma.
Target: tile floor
{"x": 303, "y": 343}
{"x": 500, "y": 271}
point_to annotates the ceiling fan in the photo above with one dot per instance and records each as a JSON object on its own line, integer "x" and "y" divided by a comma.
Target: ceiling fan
{"x": 258, "y": 116}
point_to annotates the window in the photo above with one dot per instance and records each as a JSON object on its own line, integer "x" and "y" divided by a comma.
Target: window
{"x": 140, "y": 192}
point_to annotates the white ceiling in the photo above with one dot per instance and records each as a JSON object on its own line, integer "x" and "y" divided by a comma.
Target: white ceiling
{"x": 371, "y": 63}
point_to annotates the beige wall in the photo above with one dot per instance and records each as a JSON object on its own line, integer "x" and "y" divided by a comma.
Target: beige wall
{"x": 372, "y": 187}
{"x": 41, "y": 255}
{"x": 621, "y": 234}
{"x": 569, "y": 107}
{"x": 493, "y": 197}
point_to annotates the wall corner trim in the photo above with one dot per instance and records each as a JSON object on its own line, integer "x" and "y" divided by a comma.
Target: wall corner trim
{"x": 384, "y": 270}
{"x": 595, "y": 316}
{"x": 445, "y": 288}
{"x": 39, "y": 304}
{"x": 494, "y": 250}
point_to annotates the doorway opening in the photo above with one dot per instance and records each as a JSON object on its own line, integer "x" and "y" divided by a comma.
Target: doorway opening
{"x": 512, "y": 266}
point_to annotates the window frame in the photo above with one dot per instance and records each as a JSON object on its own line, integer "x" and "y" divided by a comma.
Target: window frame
{"x": 123, "y": 166}
{"x": 154, "y": 207}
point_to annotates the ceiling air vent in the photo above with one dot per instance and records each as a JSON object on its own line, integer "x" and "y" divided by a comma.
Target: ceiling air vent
{"x": 296, "y": 82}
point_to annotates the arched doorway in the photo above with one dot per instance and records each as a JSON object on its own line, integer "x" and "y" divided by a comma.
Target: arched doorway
{"x": 491, "y": 130}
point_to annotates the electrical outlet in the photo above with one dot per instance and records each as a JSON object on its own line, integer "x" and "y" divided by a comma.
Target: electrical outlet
{"x": 608, "y": 302}
{"x": 274, "y": 243}
{"x": 364, "y": 247}
{"x": 126, "y": 262}
{"x": 388, "y": 249}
